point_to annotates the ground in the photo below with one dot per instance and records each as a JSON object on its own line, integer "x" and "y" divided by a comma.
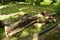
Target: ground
{"x": 29, "y": 9}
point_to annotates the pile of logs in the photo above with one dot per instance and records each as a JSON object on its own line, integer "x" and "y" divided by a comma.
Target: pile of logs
{"x": 27, "y": 20}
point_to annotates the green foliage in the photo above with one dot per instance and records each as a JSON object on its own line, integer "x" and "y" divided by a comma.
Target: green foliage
{"x": 57, "y": 9}
{"x": 1, "y": 31}
{"x": 45, "y": 3}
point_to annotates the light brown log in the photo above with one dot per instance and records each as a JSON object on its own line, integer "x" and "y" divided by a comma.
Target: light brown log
{"x": 13, "y": 29}
{"x": 16, "y": 30}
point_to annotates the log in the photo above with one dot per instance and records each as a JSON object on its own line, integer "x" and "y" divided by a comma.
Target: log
{"x": 19, "y": 25}
{"x": 17, "y": 30}
{"x": 22, "y": 23}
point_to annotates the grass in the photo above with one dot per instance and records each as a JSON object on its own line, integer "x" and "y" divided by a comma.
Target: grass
{"x": 1, "y": 31}
{"x": 57, "y": 9}
{"x": 12, "y": 8}
{"x": 9, "y": 9}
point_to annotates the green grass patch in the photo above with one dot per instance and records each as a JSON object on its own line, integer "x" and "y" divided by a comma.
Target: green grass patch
{"x": 11, "y": 8}
{"x": 36, "y": 9}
